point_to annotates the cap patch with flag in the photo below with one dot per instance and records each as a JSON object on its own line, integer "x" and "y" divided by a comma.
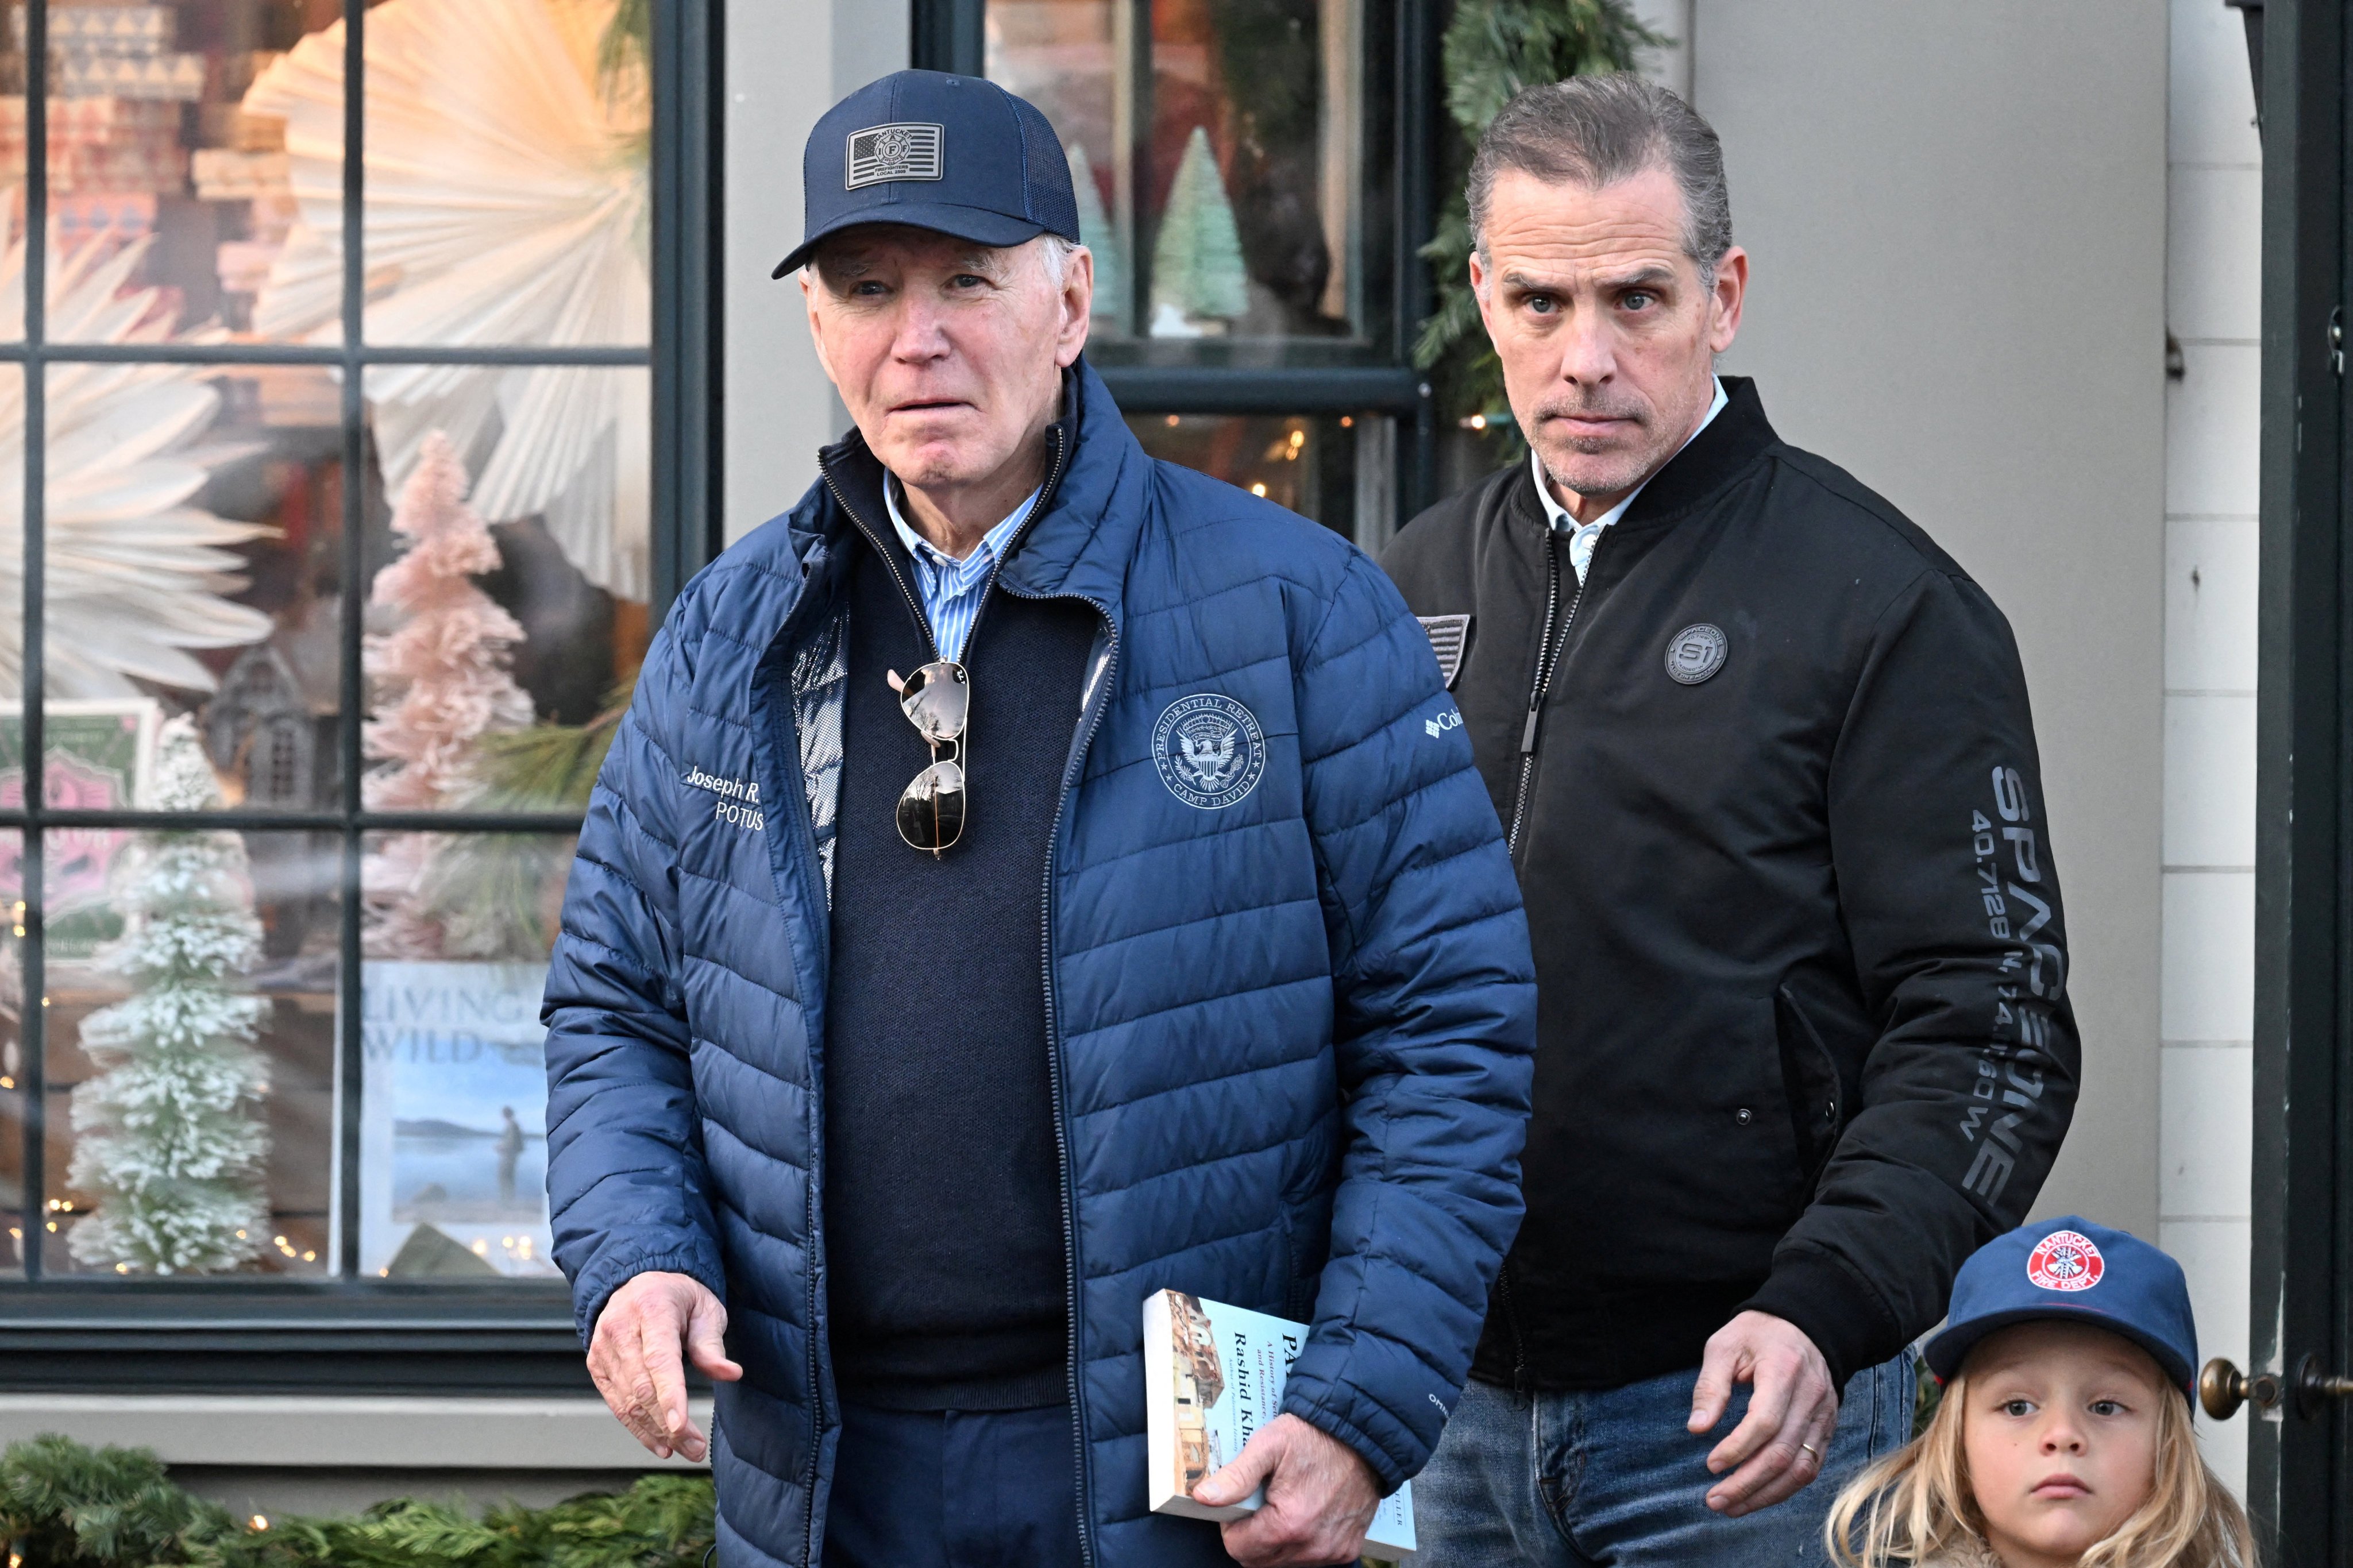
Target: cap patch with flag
{"x": 901, "y": 152}
{"x": 1449, "y": 635}
{"x": 880, "y": 156}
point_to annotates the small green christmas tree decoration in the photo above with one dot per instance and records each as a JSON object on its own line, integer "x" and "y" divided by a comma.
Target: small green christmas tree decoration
{"x": 1097, "y": 235}
{"x": 1492, "y": 50}
{"x": 1197, "y": 265}
{"x": 169, "y": 1137}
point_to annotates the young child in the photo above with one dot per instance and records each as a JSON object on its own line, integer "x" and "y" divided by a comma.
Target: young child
{"x": 2064, "y": 1439}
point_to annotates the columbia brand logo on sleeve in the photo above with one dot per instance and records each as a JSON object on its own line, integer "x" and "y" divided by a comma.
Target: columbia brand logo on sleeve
{"x": 1449, "y": 635}
{"x": 2066, "y": 1261}
{"x": 1697, "y": 653}
{"x": 900, "y": 151}
{"x": 1209, "y": 750}
{"x": 1449, "y": 720}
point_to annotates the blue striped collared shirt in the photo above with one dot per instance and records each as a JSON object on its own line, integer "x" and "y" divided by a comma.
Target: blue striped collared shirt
{"x": 951, "y": 589}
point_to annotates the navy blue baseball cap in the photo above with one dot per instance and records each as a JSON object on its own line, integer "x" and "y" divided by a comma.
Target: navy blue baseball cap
{"x": 2069, "y": 1267}
{"x": 953, "y": 153}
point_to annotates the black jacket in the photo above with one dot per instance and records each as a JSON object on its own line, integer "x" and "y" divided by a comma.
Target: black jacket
{"x": 1778, "y": 817}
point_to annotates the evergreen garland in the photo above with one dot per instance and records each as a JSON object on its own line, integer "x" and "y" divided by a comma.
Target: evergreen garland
{"x": 63, "y": 1505}
{"x": 1492, "y": 50}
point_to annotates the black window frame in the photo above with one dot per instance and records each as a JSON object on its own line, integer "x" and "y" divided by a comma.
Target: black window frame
{"x": 948, "y": 35}
{"x": 346, "y": 1332}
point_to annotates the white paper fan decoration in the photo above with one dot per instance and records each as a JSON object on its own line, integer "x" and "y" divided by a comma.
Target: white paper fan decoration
{"x": 506, "y": 205}
{"x": 136, "y": 577}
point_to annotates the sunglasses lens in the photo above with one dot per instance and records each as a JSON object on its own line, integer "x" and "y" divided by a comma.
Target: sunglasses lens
{"x": 930, "y": 812}
{"x": 935, "y": 700}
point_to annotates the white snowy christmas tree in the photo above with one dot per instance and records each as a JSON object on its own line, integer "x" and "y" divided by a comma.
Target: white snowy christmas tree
{"x": 443, "y": 682}
{"x": 169, "y": 1136}
{"x": 1097, "y": 235}
{"x": 1197, "y": 265}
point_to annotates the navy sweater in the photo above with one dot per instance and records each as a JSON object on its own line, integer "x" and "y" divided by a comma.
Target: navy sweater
{"x": 943, "y": 1197}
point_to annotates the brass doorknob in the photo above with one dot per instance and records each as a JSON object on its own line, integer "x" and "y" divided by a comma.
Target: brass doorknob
{"x": 2223, "y": 1388}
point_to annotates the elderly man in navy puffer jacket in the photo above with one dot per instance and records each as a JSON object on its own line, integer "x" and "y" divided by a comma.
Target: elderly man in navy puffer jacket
{"x": 1030, "y": 877}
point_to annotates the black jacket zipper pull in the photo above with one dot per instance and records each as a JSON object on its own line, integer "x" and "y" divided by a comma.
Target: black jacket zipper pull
{"x": 1528, "y": 735}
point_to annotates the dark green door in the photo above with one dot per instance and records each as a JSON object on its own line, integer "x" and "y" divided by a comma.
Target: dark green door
{"x": 2299, "y": 1486}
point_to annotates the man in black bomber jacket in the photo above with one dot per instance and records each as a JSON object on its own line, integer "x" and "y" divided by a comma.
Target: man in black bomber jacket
{"x": 1765, "y": 761}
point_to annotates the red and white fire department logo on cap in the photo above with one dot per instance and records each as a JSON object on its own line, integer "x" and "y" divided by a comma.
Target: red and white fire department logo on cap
{"x": 2066, "y": 1260}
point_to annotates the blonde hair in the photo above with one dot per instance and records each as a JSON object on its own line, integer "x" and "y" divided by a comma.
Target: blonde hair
{"x": 1916, "y": 1505}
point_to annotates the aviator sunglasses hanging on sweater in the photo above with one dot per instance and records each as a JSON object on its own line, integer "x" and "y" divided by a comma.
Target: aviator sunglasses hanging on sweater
{"x": 935, "y": 700}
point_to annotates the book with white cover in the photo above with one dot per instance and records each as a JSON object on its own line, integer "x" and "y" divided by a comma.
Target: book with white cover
{"x": 1213, "y": 1375}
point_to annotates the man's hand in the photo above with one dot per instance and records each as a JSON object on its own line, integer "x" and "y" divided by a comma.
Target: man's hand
{"x": 1779, "y": 1444}
{"x": 1320, "y": 1495}
{"x": 635, "y": 1357}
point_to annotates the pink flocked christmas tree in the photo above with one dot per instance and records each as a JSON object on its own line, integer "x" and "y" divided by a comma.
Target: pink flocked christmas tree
{"x": 442, "y": 680}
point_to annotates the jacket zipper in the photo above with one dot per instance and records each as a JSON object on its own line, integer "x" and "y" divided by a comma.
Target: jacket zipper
{"x": 1522, "y": 1384}
{"x": 1071, "y": 1305}
{"x": 1548, "y": 656}
{"x": 798, "y": 803}
{"x": 1101, "y": 701}
{"x": 1096, "y": 706}
{"x": 923, "y": 621}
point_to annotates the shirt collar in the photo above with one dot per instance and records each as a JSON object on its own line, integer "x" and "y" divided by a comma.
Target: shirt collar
{"x": 1557, "y": 514}
{"x": 992, "y": 543}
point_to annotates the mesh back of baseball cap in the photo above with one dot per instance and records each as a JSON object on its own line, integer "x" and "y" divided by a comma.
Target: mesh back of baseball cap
{"x": 1051, "y": 201}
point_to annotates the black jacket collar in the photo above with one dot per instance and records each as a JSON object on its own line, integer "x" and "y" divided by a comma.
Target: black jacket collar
{"x": 1732, "y": 441}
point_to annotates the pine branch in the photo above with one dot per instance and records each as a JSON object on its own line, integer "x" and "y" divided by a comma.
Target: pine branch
{"x": 1492, "y": 50}
{"x": 67, "y": 1506}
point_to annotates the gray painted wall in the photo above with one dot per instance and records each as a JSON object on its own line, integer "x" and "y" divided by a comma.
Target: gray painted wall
{"x": 1958, "y": 220}
{"x": 787, "y": 64}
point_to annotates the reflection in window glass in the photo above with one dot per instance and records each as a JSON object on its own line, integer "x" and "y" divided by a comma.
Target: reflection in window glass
{"x": 190, "y": 1013}
{"x": 506, "y": 195}
{"x": 194, "y": 519}
{"x": 158, "y": 154}
{"x": 1321, "y": 467}
{"x": 453, "y": 1140}
{"x": 12, "y": 1087}
{"x": 1220, "y": 169}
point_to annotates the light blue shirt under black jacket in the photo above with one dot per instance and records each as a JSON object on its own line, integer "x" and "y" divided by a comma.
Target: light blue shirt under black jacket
{"x": 952, "y": 590}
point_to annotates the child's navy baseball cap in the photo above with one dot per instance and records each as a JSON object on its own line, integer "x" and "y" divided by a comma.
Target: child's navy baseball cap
{"x": 956, "y": 155}
{"x": 2069, "y": 1267}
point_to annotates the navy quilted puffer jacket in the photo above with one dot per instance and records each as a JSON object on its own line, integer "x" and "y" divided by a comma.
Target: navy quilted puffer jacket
{"x": 1291, "y": 1029}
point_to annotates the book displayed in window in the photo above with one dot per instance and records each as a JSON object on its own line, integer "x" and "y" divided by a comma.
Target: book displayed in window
{"x": 453, "y": 1122}
{"x": 1213, "y": 1375}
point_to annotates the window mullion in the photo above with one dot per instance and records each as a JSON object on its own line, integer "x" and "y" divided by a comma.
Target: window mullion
{"x": 33, "y": 1028}
{"x": 351, "y": 1058}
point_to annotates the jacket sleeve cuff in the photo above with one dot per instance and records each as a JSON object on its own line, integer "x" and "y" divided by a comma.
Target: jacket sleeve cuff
{"x": 609, "y": 1273}
{"x": 1386, "y": 1474}
{"x": 1833, "y": 1307}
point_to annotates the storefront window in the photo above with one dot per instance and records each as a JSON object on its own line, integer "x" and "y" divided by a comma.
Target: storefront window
{"x": 1220, "y": 152}
{"x": 336, "y": 487}
{"x": 1335, "y": 469}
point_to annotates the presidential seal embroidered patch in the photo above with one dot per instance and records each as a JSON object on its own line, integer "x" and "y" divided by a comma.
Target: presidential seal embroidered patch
{"x": 1697, "y": 653}
{"x": 1209, "y": 750}
{"x": 2066, "y": 1261}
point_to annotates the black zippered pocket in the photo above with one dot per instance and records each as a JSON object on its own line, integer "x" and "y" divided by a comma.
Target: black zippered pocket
{"x": 1810, "y": 1074}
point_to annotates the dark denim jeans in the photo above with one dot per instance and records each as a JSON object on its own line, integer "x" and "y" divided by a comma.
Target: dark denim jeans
{"x": 1576, "y": 1480}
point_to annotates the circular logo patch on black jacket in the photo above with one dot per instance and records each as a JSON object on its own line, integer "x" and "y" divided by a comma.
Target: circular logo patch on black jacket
{"x": 1697, "y": 653}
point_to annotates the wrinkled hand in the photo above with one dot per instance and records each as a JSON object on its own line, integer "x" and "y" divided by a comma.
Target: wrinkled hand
{"x": 1320, "y": 1495}
{"x": 1779, "y": 1444}
{"x": 635, "y": 1357}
